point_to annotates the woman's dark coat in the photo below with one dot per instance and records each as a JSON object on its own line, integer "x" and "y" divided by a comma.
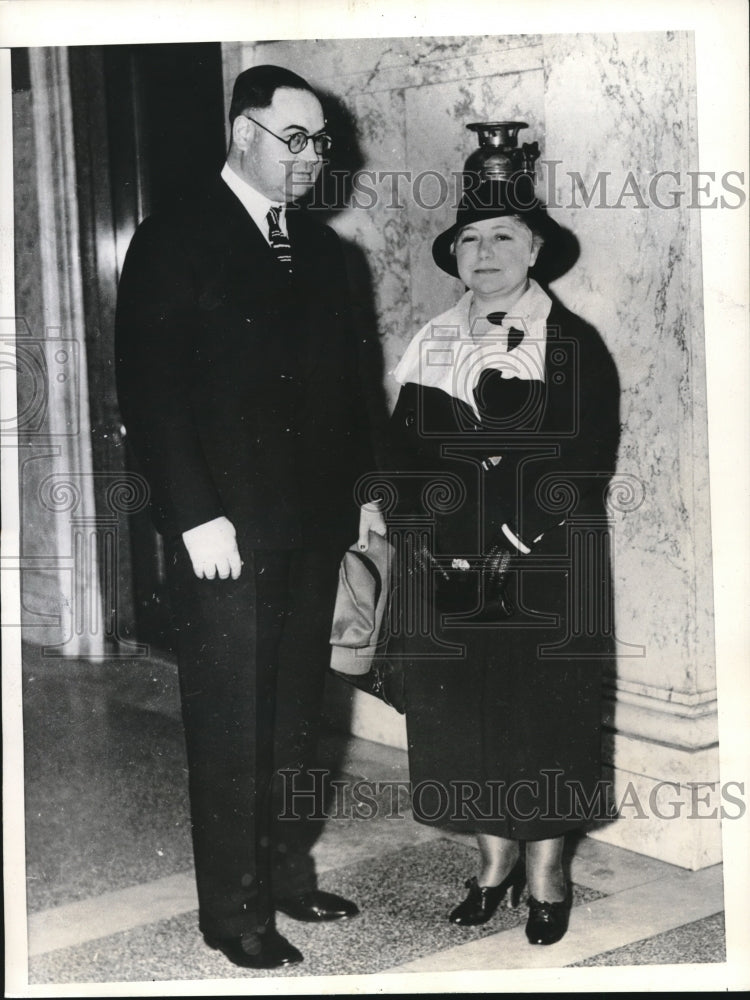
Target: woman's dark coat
{"x": 503, "y": 714}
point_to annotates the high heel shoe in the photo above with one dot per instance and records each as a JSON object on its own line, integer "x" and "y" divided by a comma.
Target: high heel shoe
{"x": 483, "y": 900}
{"x": 548, "y": 922}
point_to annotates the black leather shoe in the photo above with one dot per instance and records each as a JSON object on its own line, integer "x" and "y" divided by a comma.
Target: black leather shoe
{"x": 548, "y": 922}
{"x": 269, "y": 950}
{"x": 483, "y": 900}
{"x": 317, "y": 906}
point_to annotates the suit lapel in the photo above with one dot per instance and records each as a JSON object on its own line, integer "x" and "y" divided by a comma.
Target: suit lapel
{"x": 239, "y": 228}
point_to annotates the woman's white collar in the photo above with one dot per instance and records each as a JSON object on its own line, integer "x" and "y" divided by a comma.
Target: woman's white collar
{"x": 443, "y": 354}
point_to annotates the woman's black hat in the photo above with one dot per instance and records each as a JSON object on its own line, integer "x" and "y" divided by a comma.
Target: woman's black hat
{"x": 492, "y": 199}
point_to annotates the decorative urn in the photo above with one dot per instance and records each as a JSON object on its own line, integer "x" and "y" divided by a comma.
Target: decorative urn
{"x": 499, "y": 156}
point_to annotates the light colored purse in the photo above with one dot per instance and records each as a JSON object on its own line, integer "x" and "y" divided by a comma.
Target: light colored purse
{"x": 361, "y": 603}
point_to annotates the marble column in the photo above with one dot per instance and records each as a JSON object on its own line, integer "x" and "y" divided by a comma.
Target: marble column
{"x": 624, "y": 106}
{"x": 61, "y": 595}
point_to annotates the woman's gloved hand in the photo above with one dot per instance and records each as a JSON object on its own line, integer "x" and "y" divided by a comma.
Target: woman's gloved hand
{"x": 497, "y": 564}
{"x": 455, "y": 586}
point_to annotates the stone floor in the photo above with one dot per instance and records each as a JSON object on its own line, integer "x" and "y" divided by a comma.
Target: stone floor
{"x": 111, "y": 897}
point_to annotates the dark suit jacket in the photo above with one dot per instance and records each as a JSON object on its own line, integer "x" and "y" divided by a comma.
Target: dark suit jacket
{"x": 238, "y": 384}
{"x": 558, "y": 441}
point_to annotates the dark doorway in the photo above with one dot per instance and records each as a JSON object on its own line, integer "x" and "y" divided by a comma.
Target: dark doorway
{"x": 149, "y": 130}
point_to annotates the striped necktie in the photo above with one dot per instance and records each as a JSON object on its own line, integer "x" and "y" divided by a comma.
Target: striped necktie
{"x": 514, "y": 336}
{"x": 279, "y": 242}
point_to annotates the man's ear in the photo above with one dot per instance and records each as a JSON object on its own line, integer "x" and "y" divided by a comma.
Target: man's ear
{"x": 243, "y": 131}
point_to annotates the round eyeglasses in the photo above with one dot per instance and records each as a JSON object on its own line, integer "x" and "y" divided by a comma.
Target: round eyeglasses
{"x": 297, "y": 141}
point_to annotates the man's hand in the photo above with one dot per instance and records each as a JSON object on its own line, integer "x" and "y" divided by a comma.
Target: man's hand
{"x": 212, "y": 548}
{"x": 370, "y": 519}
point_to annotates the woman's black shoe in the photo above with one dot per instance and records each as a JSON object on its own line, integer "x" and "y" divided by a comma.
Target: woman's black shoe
{"x": 483, "y": 900}
{"x": 548, "y": 922}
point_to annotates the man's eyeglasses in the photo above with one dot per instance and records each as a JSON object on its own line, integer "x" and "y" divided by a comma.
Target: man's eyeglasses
{"x": 297, "y": 141}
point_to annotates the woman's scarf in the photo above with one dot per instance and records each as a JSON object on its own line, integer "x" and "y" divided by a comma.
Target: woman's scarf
{"x": 450, "y": 353}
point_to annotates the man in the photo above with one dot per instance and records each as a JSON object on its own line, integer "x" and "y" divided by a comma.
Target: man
{"x": 237, "y": 377}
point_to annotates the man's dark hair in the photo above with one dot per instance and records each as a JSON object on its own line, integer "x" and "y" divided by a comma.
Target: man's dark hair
{"x": 255, "y": 87}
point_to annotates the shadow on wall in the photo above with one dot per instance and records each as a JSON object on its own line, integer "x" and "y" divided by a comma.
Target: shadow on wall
{"x": 331, "y": 197}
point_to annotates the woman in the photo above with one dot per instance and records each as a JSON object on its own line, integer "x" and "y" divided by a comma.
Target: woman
{"x": 504, "y": 437}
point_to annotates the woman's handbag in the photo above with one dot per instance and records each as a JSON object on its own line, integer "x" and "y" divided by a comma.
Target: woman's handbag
{"x": 359, "y": 632}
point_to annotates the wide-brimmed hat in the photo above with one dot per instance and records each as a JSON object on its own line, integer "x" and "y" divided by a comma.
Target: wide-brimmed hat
{"x": 492, "y": 199}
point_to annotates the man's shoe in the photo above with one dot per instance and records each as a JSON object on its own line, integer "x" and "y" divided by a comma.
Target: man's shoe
{"x": 269, "y": 950}
{"x": 317, "y": 906}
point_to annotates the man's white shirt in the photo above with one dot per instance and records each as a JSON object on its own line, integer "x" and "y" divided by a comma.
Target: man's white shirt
{"x": 256, "y": 204}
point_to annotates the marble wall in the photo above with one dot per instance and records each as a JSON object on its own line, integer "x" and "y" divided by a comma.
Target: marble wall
{"x": 639, "y": 281}
{"x": 623, "y": 105}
